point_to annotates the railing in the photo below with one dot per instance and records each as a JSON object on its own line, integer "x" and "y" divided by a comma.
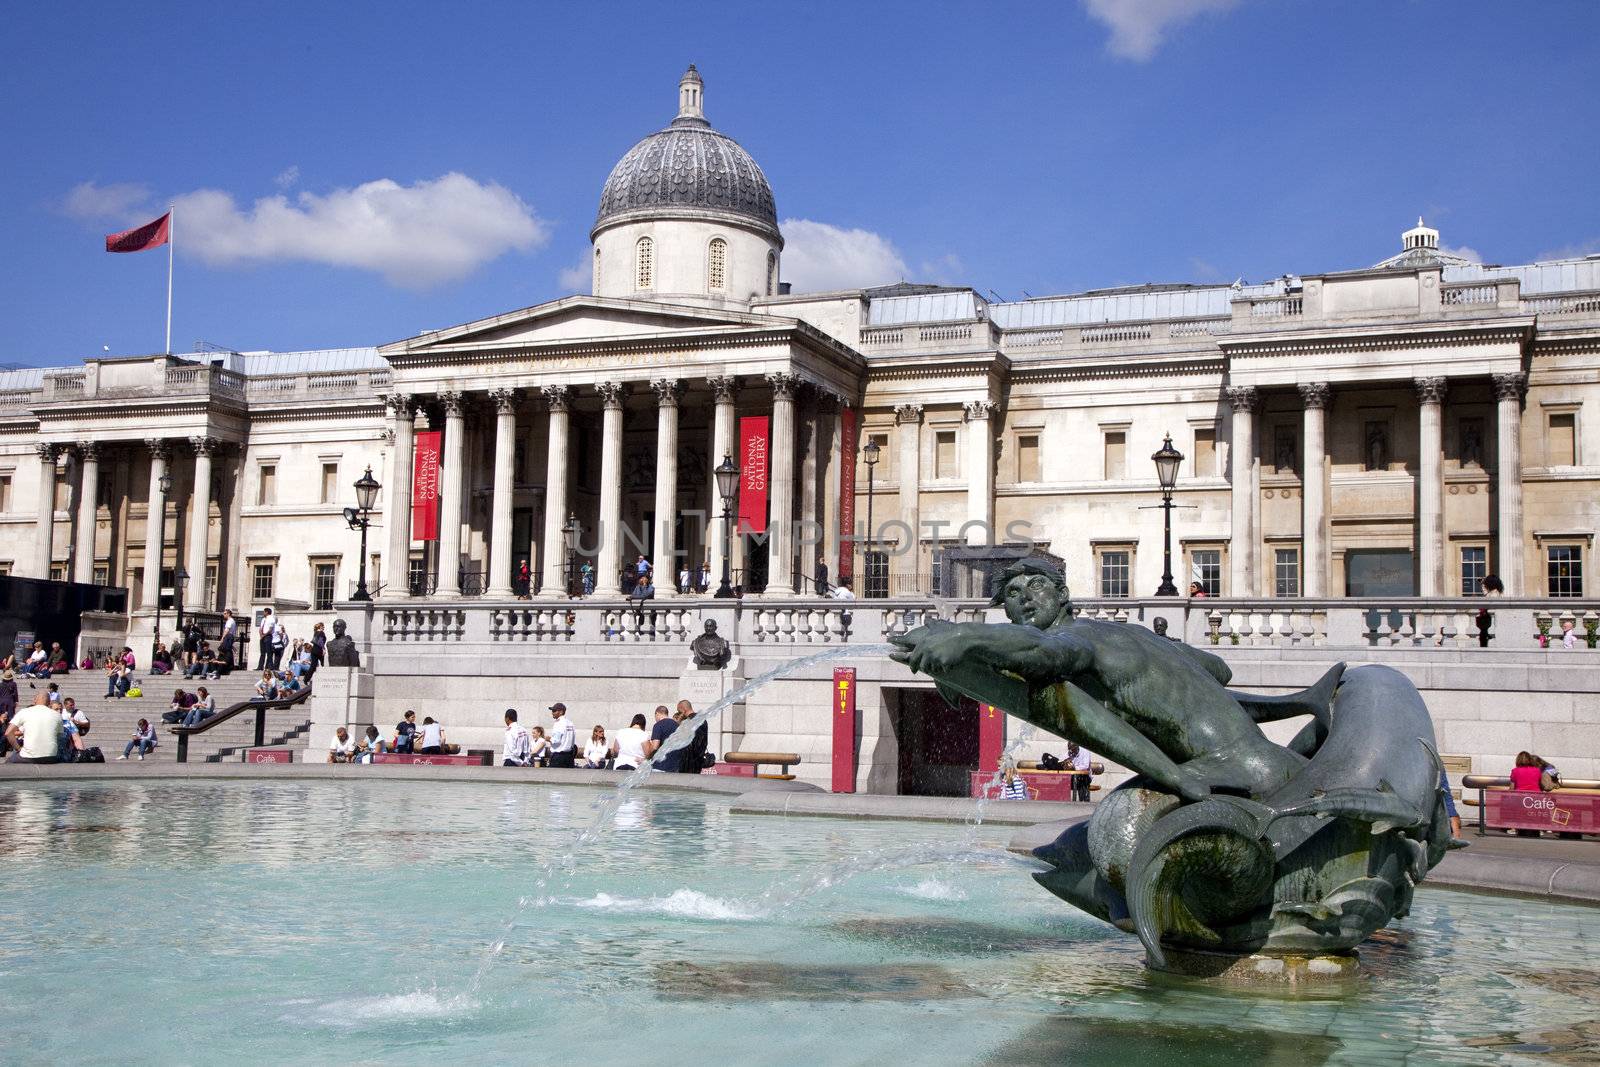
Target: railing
{"x": 1100, "y": 335}
{"x": 1276, "y": 307}
{"x": 261, "y": 708}
{"x": 64, "y": 385}
{"x": 1456, "y": 295}
{"x": 1566, "y": 304}
{"x": 428, "y": 624}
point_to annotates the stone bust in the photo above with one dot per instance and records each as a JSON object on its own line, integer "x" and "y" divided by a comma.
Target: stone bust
{"x": 710, "y": 651}
{"x": 342, "y": 649}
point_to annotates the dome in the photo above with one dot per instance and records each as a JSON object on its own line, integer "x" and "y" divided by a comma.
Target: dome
{"x": 688, "y": 170}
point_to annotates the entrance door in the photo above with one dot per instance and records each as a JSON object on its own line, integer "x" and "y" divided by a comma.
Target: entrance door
{"x": 522, "y": 548}
{"x": 938, "y": 744}
{"x": 755, "y": 563}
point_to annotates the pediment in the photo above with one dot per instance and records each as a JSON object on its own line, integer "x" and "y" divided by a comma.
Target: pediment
{"x": 581, "y": 319}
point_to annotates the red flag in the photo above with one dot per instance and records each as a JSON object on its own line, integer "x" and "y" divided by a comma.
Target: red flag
{"x": 753, "y": 474}
{"x": 150, "y": 235}
{"x": 425, "y": 487}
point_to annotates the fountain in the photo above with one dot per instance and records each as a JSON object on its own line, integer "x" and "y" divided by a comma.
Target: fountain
{"x": 1226, "y": 854}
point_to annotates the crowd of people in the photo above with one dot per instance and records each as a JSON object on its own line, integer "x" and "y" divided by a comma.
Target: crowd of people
{"x": 627, "y": 749}
{"x": 50, "y": 730}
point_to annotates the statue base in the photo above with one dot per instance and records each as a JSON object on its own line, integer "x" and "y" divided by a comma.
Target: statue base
{"x": 1262, "y": 971}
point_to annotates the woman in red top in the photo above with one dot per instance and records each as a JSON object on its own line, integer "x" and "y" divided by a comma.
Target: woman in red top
{"x": 1525, "y": 775}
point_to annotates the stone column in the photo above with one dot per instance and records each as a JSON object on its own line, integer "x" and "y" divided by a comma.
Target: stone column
{"x": 155, "y": 523}
{"x": 1509, "y": 389}
{"x": 780, "y": 543}
{"x": 1430, "y": 486}
{"x": 832, "y": 417}
{"x": 45, "y": 529}
{"x": 451, "y": 481}
{"x": 397, "y": 504}
{"x": 980, "y": 473}
{"x": 1242, "y": 475}
{"x": 194, "y": 594}
{"x": 724, "y": 391}
{"x": 668, "y": 392}
{"x": 553, "y": 549}
{"x": 908, "y": 475}
{"x": 505, "y": 459}
{"x": 608, "y": 582}
{"x": 807, "y": 529}
{"x": 1314, "y": 487}
{"x": 88, "y": 511}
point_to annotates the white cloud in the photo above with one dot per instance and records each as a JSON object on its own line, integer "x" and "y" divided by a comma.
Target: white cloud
{"x": 93, "y": 202}
{"x": 413, "y": 235}
{"x": 576, "y": 278}
{"x": 1467, "y": 253}
{"x": 1138, "y": 27}
{"x": 818, "y": 257}
{"x": 288, "y": 177}
{"x": 1572, "y": 251}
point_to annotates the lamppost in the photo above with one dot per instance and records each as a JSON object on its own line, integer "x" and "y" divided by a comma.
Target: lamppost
{"x": 569, "y": 539}
{"x": 727, "y": 487}
{"x": 165, "y": 483}
{"x": 359, "y": 518}
{"x": 179, "y": 578}
{"x": 871, "y": 454}
{"x": 1167, "y": 461}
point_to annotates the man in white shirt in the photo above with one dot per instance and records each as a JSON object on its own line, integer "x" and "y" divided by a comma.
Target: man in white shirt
{"x": 36, "y": 733}
{"x": 563, "y": 738}
{"x": 265, "y": 630}
{"x": 683, "y": 579}
{"x": 343, "y": 747}
{"x": 518, "y": 748}
{"x": 1078, "y": 760}
{"x": 630, "y": 745}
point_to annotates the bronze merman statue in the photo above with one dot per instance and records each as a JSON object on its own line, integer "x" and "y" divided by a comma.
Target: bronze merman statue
{"x": 1223, "y": 840}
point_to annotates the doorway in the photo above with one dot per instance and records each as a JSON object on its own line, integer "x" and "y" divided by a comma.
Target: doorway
{"x": 938, "y": 744}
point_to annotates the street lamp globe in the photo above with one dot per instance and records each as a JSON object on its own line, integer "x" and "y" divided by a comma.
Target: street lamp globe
{"x": 367, "y": 491}
{"x": 569, "y": 533}
{"x": 870, "y": 453}
{"x": 1167, "y": 461}
{"x": 727, "y": 479}
{"x": 165, "y": 482}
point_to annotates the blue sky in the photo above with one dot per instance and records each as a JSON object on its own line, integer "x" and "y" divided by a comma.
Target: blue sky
{"x": 440, "y": 164}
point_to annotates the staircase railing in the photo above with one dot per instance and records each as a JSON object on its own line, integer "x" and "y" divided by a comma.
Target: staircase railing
{"x": 261, "y": 708}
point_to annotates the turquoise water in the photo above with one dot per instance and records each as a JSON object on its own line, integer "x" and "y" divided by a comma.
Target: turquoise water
{"x": 248, "y": 922}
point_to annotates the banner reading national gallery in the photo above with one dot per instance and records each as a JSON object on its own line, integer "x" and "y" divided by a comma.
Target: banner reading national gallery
{"x": 753, "y": 438}
{"x": 425, "y": 487}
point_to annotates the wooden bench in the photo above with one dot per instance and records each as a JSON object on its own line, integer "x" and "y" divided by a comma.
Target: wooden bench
{"x": 269, "y": 755}
{"x": 755, "y": 760}
{"x": 465, "y": 759}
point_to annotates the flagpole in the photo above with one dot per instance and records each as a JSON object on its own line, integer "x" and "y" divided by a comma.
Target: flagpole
{"x": 171, "y": 218}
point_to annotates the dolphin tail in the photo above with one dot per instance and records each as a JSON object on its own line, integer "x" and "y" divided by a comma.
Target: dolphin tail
{"x": 1316, "y": 701}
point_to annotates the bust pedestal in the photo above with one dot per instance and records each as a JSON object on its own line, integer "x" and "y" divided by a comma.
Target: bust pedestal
{"x": 340, "y": 696}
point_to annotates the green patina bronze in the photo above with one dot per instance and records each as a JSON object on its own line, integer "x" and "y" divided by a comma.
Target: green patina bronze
{"x": 1223, "y": 841}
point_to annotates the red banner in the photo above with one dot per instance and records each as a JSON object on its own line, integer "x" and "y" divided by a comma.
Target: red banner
{"x": 150, "y": 235}
{"x": 753, "y": 474}
{"x": 844, "y": 729}
{"x": 991, "y": 737}
{"x": 847, "y": 495}
{"x": 425, "y": 487}
{"x": 1571, "y": 813}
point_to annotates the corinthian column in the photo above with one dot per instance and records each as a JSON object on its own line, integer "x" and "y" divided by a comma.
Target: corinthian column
{"x": 199, "y": 523}
{"x": 155, "y": 523}
{"x": 780, "y": 531}
{"x": 724, "y": 392}
{"x": 552, "y": 550}
{"x": 609, "y": 581}
{"x": 668, "y": 392}
{"x": 1509, "y": 389}
{"x": 1430, "y": 486}
{"x": 45, "y": 530}
{"x": 908, "y": 475}
{"x": 88, "y": 509}
{"x": 1314, "y": 488}
{"x": 397, "y": 504}
{"x": 505, "y": 457}
{"x": 1242, "y": 475}
{"x": 451, "y": 483}
{"x": 980, "y": 473}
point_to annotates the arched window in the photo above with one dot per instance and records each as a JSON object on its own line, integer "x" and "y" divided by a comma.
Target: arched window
{"x": 772, "y": 274}
{"x": 596, "y": 286}
{"x": 644, "y": 264}
{"x": 717, "y": 266}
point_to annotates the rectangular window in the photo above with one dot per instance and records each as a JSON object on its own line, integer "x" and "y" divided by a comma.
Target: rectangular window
{"x": 261, "y": 580}
{"x": 330, "y": 482}
{"x": 266, "y": 484}
{"x": 5, "y": 492}
{"x": 1565, "y": 569}
{"x": 1205, "y": 567}
{"x": 876, "y": 566}
{"x": 211, "y": 584}
{"x": 102, "y": 574}
{"x": 1474, "y": 565}
{"x": 1028, "y": 457}
{"x": 1561, "y": 443}
{"x": 323, "y": 578}
{"x": 1116, "y": 466}
{"x": 945, "y": 464}
{"x": 5, "y": 568}
{"x": 417, "y": 575}
{"x": 1205, "y": 452}
{"x": 1286, "y": 572}
{"x": 58, "y": 572}
{"x": 1114, "y": 572}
